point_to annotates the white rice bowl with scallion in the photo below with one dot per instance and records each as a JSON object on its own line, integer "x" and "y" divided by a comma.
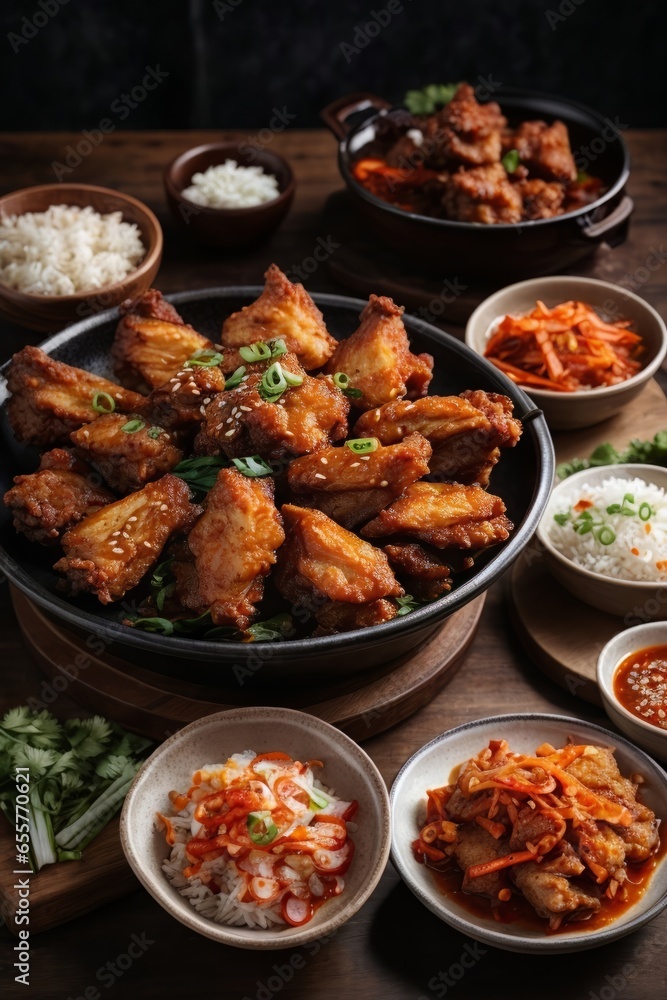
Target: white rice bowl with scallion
{"x": 616, "y": 528}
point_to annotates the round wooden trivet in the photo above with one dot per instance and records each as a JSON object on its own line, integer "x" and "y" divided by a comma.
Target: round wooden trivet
{"x": 362, "y": 264}
{"x": 156, "y": 705}
{"x": 562, "y": 635}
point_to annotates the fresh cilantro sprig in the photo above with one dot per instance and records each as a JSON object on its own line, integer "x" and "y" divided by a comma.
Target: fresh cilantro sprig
{"x": 430, "y": 98}
{"x": 651, "y": 452}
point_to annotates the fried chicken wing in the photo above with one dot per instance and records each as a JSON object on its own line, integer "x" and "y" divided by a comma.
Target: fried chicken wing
{"x": 180, "y": 404}
{"x": 307, "y": 417}
{"x": 46, "y": 503}
{"x": 553, "y": 896}
{"x": 50, "y": 399}
{"x": 465, "y": 431}
{"x": 541, "y": 199}
{"x": 465, "y": 131}
{"x": 232, "y": 548}
{"x": 320, "y": 560}
{"x": 424, "y": 574}
{"x": 352, "y": 488}
{"x": 152, "y": 341}
{"x": 282, "y": 310}
{"x": 108, "y": 552}
{"x": 444, "y": 515}
{"x": 545, "y": 149}
{"x": 335, "y": 617}
{"x": 377, "y": 357}
{"x": 126, "y": 451}
{"x": 483, "y": 194}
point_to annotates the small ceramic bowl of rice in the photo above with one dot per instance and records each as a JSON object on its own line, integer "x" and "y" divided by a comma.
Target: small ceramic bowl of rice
{"x": 604, "y": 534}
{"x": 70, "y": 251}
{"x": 260, "y": 828}
{"x": 229, "y": 195}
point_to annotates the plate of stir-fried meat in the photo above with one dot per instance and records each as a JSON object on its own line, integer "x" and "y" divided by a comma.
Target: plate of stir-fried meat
{"x": 533, "y": 832}
{"x": 253, "y": 469}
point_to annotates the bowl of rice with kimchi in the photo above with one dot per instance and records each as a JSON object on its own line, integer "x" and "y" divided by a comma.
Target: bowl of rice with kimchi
{"x": 261, "y": 828}
{"x": 604, "y": 534}
{"x": 537, "y": 834}
{"x": 581, "y": 348}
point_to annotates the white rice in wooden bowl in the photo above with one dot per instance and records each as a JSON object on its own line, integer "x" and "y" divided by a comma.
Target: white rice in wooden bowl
{"x": 66, "y": 250}
{"x": 616, "y": 528}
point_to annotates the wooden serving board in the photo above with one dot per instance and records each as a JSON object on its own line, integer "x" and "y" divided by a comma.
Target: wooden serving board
{"x": 362, "y": 264}
{"x": 156, "y": 706}
{"x": 562, "y": 635}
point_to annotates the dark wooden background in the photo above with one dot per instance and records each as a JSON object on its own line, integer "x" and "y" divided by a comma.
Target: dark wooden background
{"x": 393, "y": 948}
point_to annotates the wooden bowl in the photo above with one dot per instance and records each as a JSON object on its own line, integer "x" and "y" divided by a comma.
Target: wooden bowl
{"x": 48, "y": 313}
{"x": 228, "y": 228}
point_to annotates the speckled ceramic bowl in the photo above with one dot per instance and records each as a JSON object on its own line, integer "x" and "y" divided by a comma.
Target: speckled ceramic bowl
{"x": 431, "y": 767}
{"x": 214, "y": 738}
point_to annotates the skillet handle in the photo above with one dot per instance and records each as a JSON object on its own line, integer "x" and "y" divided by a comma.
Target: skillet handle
{"x": 614, "y": 228}
{"x": 337, "y": 114}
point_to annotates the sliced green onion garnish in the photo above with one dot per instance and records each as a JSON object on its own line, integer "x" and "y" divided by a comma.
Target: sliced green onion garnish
{"x": 235, "y": 378}
{"x": 154, "y": 432}
{"x": 562, "y": 519}
{"x": 362, "y": 446}
{"x": 103, "y": 403}
{"x": 645, "y": 511}
{"x": 278, "y": 347}
{"x": 275, "y": 381}
{"x": 253, "y": 466}
{"x": 511, "y": 160}
{"x": 259, "y": 351}
{"x": 406, "y": 605}
{"x": 342, "y": 382}
{"x": 261, "y": 828}
{"x": 161, "y": 625}
{"x": 132, "y": 426}
{"x": 317, "y": 801}
{"x": 606, "y": 535}
{"x": 206, "y": 358}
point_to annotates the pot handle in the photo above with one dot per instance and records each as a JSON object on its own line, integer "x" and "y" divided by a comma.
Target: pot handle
{"x": 612, "y": 229}
{"x": 337, "y": 114}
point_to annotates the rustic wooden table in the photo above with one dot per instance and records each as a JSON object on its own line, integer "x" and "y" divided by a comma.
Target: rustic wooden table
{"x": 393, "y": 948}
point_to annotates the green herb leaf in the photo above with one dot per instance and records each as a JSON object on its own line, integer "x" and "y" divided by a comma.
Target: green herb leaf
{"x": 102, "y": 402}
{"x": 362, "y": 446}
{"x": 253, "y": 466}
{"x": 235, "y": 378}
{"x": 406, "y": 605}
{"x": 161, "y": 625}
{"x": 200, "y": 473}
{"x": 652, "y": 452}
{"x": 132, "y": 426}
{"x": 276, "y": 628}
{"x": 431, "y": 97}
{"x": 511, "y": 160}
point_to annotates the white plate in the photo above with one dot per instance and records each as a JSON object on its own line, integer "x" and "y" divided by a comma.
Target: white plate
{"x": 431, "y": 767}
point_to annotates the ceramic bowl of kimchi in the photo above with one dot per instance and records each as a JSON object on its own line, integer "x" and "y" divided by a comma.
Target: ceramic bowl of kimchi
{"x": 272, "y": 877}
{"x": 585, "y": 406}
{"x": 524, "y": 879}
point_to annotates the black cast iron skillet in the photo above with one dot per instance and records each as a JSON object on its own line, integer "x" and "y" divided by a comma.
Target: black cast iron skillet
{"x": 503, "y": 250}
{"x": 523, "y": 479}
